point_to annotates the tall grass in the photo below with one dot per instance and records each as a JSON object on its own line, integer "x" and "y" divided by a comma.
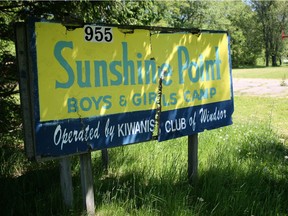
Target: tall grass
{"x": 242, "y": 171}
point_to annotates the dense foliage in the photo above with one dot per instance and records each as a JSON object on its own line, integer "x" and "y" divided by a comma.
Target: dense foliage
{"x": 271, "y": 17}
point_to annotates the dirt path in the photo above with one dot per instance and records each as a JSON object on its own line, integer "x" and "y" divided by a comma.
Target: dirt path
{"x": 260, "y": 87}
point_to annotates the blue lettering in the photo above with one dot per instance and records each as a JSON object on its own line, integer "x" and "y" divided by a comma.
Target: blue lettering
{"x": 126, "y": 65}
{"x": 203, "y": 94}
{"x": 212, "y": 92}
{"x": 150, "y": 65}
{"x": 82, "y": 103}
{"x": 190, "y": 72}
{"x": 139, "y": 69}
{"x": 106, "y": 100}
{"x": 209, "y": 64}
{"x": 173, "y": 98}
{"x": 80, "y": 75}
{"x": 195, "y": 95}
{"x": 116, "y": 73}
{"x": 218, "y": 62}
{"x": 185, "y": 96}
{"x": 201, "y": 67}
{"x": 97, "y": 101}
{"x": 72, "y": 105}
{"x": 136, "y": 99}
{"x": 181, "y": 66}
{"x": 57, "y": 53}
{"x": 103, "y": 65}
{"x": 199, "y": 94}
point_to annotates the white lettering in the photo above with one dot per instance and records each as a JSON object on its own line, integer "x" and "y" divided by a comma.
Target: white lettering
{"x": 206, "y": 116}
{"x": 109, "y": 130}
{"x": 138, "y": 127}
{"x": 63, "y": 137}
{"x": 175, "y": 125}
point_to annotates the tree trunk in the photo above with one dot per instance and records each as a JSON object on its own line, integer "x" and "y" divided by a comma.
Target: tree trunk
{"x": 267, "y": 50}
{"x": 274, "y": 60}
{"x": 267, "y": 60}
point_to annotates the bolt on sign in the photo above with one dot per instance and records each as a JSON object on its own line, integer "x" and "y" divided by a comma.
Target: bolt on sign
{"x": 94, "y": 87}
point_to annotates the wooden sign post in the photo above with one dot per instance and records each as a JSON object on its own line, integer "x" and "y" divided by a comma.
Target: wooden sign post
{"x": 87, "y": 183}
{"x": 193, "y": 158}
{"x": 66, "y": 181}
{"x": 105, "y": 159}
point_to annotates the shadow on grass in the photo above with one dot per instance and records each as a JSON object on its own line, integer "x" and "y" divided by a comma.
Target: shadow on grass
{"x": 218, "y": 192}
{"x": 133, "y": 191}
{"x": 34, "y": 193}
{"x": 226, "y": 191}
{"x": 28, "y": 188}
{"x": 253, "y": 183}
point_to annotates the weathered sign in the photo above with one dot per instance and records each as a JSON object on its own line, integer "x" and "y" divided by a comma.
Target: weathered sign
{"x": 95, "y": 87}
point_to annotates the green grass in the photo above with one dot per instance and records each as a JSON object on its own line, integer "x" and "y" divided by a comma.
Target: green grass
{"x": 242, "y": 171}
{"x": 262, "y": 72}
{"x": 271, "y": 110}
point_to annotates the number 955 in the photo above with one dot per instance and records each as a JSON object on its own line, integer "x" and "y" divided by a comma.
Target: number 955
{"x": 98, "y": 33}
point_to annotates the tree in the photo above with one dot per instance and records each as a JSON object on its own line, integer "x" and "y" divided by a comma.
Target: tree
{"x": 184, "y": 14}
{"x": 272, "y": 15}
{"x": 245, "y": 34}
{"x": 237, "y": 18}
{"x": 9, "y": 109}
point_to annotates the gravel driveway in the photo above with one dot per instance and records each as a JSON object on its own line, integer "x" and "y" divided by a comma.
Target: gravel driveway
{"x": 260, "y": 87}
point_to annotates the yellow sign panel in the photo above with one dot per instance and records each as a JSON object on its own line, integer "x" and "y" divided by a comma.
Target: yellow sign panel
{"x": 96, "y": 71}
